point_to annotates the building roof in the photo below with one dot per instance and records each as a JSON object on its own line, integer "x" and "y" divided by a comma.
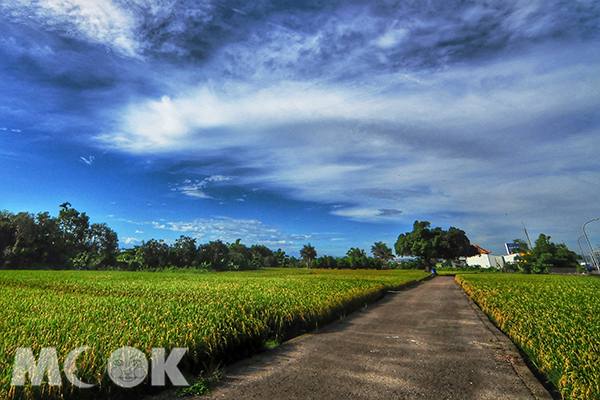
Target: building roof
{"x": 481, "y": 250}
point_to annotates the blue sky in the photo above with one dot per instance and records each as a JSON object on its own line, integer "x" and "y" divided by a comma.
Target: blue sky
{"x": 336, "y": 123}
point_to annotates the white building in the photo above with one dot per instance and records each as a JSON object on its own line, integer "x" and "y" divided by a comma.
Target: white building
{"x": 485, "y": 259}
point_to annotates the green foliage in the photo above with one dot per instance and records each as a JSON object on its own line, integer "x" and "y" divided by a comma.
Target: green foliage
{"x": 355, "y": 252}
{"x": 510, "y": 267}
{"x": 383, "y": 253}
{"x": 522, "y": 246}
{"x": 308, "y": 253}
{"x": 431, "y": 245}
{"x": 41, "y": 241}
{"x": 198, "y": 388}
{"x": 546, "y": 254}
{"x": 555, "y": 320}
{"x": 218, "y": 317}
{"x": 416, "y": 263}
{"x": 362, "y": 262}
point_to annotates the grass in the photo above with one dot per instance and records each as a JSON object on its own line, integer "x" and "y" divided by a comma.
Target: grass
{"x": 219, "y": 317}
{"x": 554, "y": 319}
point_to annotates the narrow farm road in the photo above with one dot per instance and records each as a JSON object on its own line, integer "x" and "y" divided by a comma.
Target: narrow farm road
{"x": 428, "y": 342}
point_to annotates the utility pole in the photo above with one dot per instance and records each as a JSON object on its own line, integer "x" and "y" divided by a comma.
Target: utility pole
{"x": 527, "y": 235}
{"x": 594, "y": 260}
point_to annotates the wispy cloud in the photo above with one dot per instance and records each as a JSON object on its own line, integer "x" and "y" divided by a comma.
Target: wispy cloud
{"x": 88, "y": 161}
{"x": 196, "y": 188}
{"x": 102, "y": 22}
{"x": 251, "y": 231}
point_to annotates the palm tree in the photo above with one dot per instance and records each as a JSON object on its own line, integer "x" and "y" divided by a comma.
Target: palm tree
{"x": 308, "y": 253}
{"x": 381, "y": 251}
{"x": 356, "y": 252}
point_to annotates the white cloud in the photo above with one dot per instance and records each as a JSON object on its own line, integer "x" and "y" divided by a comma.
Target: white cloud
{"x": 196, "y": 188}
{"x": 99, "y": 21}
{"x": 130, "y": 241}
{"x": 120, "y": 26}
{"x": 88, "y": 161}
{"x": 459, "y": 103}
{"x": 251, "y": 231}
{"x": 392, "y": 37}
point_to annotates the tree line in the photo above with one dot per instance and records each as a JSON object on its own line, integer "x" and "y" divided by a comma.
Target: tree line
{"x": 70, "y": 241}
{"x": 355, "y": 258}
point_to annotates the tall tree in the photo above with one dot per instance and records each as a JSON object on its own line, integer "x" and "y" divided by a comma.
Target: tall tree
{"x": 216, "y": 254}
{"x": 75, "y": 229}
{"x": 433, "y": 244}
{"x": 281, "y": 257}
{"x": 152, "y": 254}
{"x": 7, "y": 234}
{"x": 308, "y": 253}
{"x": 355, "y": 252}
{"x": 184, "y": 252}
{"x": 240, "y": 257}
{"x": 103, "y": 246}
{"x": 383, "y": 253}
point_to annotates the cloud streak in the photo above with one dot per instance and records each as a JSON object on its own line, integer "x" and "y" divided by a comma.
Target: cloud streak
{"x": 196, "y": 188}
{"x": 227, "y": 229}
{"x": 87, "y": 161}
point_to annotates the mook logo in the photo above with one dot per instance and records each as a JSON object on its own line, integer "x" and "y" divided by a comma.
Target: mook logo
{"x": 127, "y": 367}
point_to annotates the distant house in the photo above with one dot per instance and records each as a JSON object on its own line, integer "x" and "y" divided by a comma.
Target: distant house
{"x": 485, "y": 259}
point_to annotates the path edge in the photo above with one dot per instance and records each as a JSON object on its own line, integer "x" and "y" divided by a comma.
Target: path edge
{"x": 516, "y": 360}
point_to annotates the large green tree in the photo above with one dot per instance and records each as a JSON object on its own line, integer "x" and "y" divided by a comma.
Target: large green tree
{"x": 431, "y": 245}
{"x": 308, "y": 253}
{"x": 546, "y": 254}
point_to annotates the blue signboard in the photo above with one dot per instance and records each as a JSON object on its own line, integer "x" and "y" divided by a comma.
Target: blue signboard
{"x": 511, "y": 248}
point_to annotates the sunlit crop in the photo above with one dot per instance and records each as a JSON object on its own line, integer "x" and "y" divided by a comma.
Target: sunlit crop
{"x": 554, "y": 319}
{"x": 219, "y": 317}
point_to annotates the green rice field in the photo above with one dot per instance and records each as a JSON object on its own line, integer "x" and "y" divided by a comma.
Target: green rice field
{"x": 554, "y": 319}
{"x": 219, "y": 317}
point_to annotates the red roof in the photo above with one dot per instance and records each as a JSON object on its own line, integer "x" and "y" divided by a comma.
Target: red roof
{"x": 481, "y": 250}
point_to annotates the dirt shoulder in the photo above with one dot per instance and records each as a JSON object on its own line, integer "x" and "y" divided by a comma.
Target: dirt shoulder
{"x": 429, "y": 342}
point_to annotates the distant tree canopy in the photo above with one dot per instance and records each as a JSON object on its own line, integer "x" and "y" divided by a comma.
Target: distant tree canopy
{"x": 69, "y": 241}
{"x": 545, "y": 254}
{"x": 215, "y": 255}
{"x": 431, "y": 245}
{"x": 66, "y": 242}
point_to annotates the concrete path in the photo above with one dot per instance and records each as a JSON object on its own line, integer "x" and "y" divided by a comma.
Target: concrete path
{"x": 429, "y": 342}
